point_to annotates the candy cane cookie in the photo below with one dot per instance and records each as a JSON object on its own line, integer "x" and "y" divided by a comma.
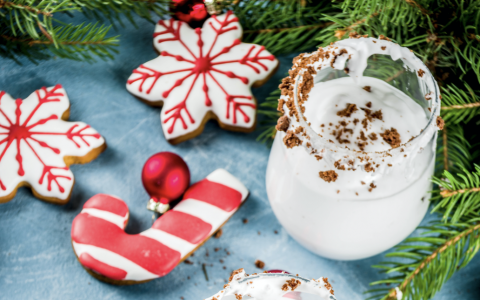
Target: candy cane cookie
{"x": 111, "y": 255}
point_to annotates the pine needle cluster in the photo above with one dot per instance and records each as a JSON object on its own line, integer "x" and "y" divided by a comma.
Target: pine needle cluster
{"x": 37, "y": 29}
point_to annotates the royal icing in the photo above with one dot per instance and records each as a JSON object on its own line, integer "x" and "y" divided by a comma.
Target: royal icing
{"x": 200, "y": 71}
{"x": 101, "y": 244}
{"x": 37, "y": 145}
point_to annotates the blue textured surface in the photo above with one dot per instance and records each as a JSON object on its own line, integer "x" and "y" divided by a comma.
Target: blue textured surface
{"x": 36, "y": 258}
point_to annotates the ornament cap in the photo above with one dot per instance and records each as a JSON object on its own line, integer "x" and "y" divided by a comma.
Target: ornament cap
{"x": 157, "y": 206}
{"x": 213, "y": 7}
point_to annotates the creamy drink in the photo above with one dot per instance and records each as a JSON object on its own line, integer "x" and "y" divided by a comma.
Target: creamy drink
{"x": 274, "y": 286}
{"x": 349, "y": 171}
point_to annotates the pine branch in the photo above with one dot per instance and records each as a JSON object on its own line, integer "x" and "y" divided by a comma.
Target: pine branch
{"x": 281, "y": 26}
{"x": 421, "y": 265}
{"x": 453, "y": 150}
{"x": 459, "y": 105}
{"x": 459, "y": 195}
{"x": 29, "y": 27}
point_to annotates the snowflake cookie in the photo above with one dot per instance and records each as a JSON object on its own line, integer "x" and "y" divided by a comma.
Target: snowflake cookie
{"x": 201, "y": 74}
{"x": 37, "y": 145}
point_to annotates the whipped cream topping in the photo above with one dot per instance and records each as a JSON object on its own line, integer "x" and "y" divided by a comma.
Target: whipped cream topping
{"x": 304, "y": 114}
{"x": 377, "y": 107}
{"x": 273, "y": 286}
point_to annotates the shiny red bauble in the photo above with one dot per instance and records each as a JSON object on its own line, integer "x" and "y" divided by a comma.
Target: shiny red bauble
{"x": 165, "y": 176}
{"x": 192, "y": 12}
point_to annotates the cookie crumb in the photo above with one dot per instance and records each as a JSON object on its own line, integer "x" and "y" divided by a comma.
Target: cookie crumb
{"x": 318, "y": 157}
{"x": 328, "y": 176}
{"x": 292, "y": 284}
{"x": 440, "y": 123}
{"x": 283, "y": 123}
{"x": 368, "y": 89}
{"x": 348, "y": 111}
{"x": 291, "y": 140}
{"x": 245, "y": 221}
{"x": 235, "y": 273}
{"x": 218, "y": 234}
{"x": 188, "y": 262}
{"x": 421, "y": 72}
{"x": 372, "y": 186}
{"x": 328, "y": 285}
{"x": 259, "y": 264}
{"x": 383, "y": 47}
{"x": 392, "y": 137}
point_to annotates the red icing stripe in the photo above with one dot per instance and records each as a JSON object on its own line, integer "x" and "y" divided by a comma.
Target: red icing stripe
{"x": 111, "y": 272}
{"x": 216, "y": 194}
{"x": 145, "y": 252}
{"x": 184, "y": 226}
{"x": 107, "y": 203}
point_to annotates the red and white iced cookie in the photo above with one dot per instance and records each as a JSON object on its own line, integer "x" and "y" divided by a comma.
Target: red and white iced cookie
{"x": 37, "y": 145}
{"x": 201, "y": 74}
{"x": 109, "y": 254}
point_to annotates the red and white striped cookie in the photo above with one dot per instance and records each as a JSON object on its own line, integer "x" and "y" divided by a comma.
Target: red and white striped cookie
{"x": 110, "y": 254}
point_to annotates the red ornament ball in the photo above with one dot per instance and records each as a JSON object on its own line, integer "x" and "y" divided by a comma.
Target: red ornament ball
{"x": 165, "y": 176}
{"x": 192, "y": 12}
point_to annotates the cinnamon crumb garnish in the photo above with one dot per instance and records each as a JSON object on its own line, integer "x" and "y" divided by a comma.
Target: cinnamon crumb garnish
{"x": 328, "y": 176}
{"x": 238, "y": 296}
{"x": 291, "y": 140}
{"x": 355, "y": 121}
{"x": 292, "y": 284}
{"x": 328, "y": 285}
{"x": 365, "y": 123}
{"x": 369, "y": 167}
{"x": 369, "y": 104}
{"x": 259, "y": 264}
{"x": 421, "y": 72}
{"x": 235, "y": 273}
{"x": 363, "y": 137}
{"x": 392, "y": 137}
{"x": 363, "y": 183}
{"x": 318, "y": 157}
{"x": 245, "y": 221}
{"x": 373, "y": 136}
{"x": 372, "y": 186}
{"x": 361, "y": 146}
{"x": 283, "y": 123}
{"x": 377, "y": 115}
{"x": 338, "y": 165}
{"x": 348, "y": 111}
{"x": 368, "y": 89}
{"x": 440, "y": 123}
{"x": 383, "y": 47}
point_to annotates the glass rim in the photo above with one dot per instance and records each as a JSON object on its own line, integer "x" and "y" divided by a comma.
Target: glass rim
{"x": 329, "y": 146}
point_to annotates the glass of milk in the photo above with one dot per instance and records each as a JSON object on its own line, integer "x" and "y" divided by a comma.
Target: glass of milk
{"x": 350, "y": 167}
{"x": 274, "y": 286}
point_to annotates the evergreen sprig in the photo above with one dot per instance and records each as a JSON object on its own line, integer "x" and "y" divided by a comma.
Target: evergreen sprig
{"x": 459, "y": 105}
{"x": 459, "y": 195}
{"x": 453, "y": 150}
{"x": 420, "y": 266}
{"x": 29, "y": 27}
{"x": 281, "y": 26}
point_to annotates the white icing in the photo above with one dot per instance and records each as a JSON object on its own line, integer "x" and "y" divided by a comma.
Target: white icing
{"x": 196, "y": 100}
{"x": 170, "y": 241}
{"x": 222, "y": 176}
{"x": 33, "y": 167}
{"x": 107, "y": 216}
{"x": 204, "y": 211}
{"x": 268, "y": 286}
{"x": 134, "y": 271}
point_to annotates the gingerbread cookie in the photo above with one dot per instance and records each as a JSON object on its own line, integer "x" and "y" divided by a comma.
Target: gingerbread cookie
{"x": 37, "y": 145}
{"x": 201, "y": 74}
{"x": 111, "y": 255}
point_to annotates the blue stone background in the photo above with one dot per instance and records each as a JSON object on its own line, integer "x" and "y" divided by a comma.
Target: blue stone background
{"x": 36, "y": 257}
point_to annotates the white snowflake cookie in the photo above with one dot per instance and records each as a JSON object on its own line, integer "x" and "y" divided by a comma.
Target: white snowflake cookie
{"x": 201, "y": 74}
{"x": 37, "y": 145}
